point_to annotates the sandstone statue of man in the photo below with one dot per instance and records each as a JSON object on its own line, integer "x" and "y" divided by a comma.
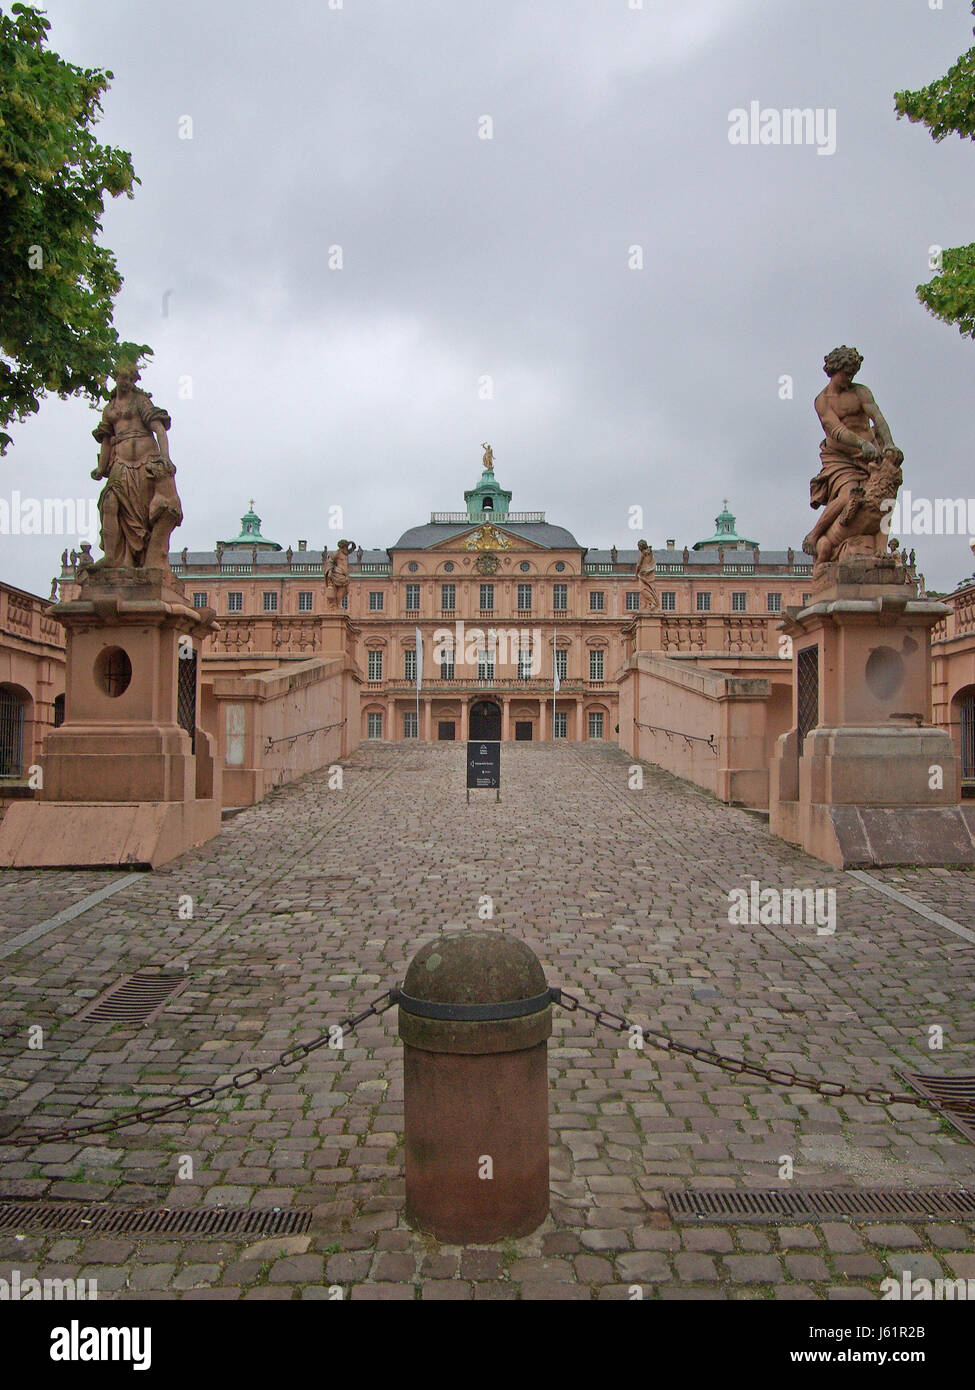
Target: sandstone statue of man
{"x": 860, "y": 464}
{"x": 336, "y": 569}
{"x": 139, "y": 506}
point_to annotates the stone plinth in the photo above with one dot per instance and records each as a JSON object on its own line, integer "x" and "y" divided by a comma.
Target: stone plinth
{"x": 129, "y": 777}
{"x": 863, "y": 778}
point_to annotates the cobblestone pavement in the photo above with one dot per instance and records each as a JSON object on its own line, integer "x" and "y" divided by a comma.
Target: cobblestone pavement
{"x": 312, "y": 902}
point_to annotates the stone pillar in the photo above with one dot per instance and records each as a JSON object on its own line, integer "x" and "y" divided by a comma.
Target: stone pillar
{"x": 391, "y": 731}
{"x": 580, "y": 728}
{"x": 863, "y": 778}
{"x": 543, "y": 719}
{"x": 465, "y": 720}
{"x": 427, "y": 709}
{"x": 474, "y": 1017}
{"x": 130, "y": 777}
{"x": 505, "y": 719}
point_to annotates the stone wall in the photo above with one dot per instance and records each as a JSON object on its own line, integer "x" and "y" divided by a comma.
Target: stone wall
{"x": 274, "y": 726}
{"x": 713, "y": 729}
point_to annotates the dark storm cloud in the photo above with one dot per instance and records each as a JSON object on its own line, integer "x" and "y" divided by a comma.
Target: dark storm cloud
{"x": 508, "y": 257}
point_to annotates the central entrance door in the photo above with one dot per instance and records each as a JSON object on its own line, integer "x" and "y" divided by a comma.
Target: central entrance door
{"x": 485, "y": 720}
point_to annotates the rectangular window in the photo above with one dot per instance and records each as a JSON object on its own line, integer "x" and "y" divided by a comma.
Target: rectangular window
{"x": 596, "y": 660}
{"x": 596, "y": 724}
{"x": 409, "y": 665}
{"x": 485, "y": 667}
{"x": 375, "y": 666}
{"x": 597, "y": 601}
{"x": 739, "y": 602}
{"x": 704, "y": 603}
{"x": 375, "y": 726}
{"x": 345, "y": 600}
{"x": 447, "y": 666}
{"x": 410, "y": 729}
{"x": 376, "y": 601}
{"x": 412, "y": 598}
{"x": 305, "y": 601}
{"x": 199, "y": 600}
{"x": 560, "y": 597}
{"x": 235, "y": 603}
{"x": 632, "y": 600}
{"x": 270, "y": 603}
{"x": 524, "y": 597}
{"x": 524, "y": 664}
{"x": 775, "y": 603}
{"x": 448, "y": 596}
{"x": 668, "y": 600}
{"x": 561, "y": 725}
{"x": 806, "y": 600}
{"x": 562, "y": 663}
{"x": 487, "y": 597}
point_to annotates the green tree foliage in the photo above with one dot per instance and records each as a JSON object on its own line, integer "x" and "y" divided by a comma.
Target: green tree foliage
{"x": 948, "y": 106}
{"x": 57, "y": 285}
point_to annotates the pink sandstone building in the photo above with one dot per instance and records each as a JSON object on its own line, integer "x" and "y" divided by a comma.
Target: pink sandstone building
{"x": 682, "y": 665}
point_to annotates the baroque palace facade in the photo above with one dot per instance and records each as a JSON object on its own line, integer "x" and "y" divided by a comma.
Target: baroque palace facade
{"x": 499, "y": 597}
{"x": 503, "y": 600}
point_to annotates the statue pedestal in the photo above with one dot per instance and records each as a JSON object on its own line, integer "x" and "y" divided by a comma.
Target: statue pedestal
{"x": 863, "y": 779}
{"x": 129, "y": 777}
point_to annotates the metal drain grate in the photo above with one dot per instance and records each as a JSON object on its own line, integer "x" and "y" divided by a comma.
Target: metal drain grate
{"x": 132, "y": 1221}
{"x": 135, "y": 998}
{"x": 953, "y": 1095}
{"x": 819, "y": 1203}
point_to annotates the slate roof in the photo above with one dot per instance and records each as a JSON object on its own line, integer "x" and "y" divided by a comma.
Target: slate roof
{"x": 540, "y": 532}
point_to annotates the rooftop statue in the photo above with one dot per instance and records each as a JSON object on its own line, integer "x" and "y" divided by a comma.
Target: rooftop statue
{"x": 336, "y": 567}
{"x": 645, "y": 569}
{"x": 488, "y": 459}
{"x": 860, "y": 467}
{"x": 139, "y": 506}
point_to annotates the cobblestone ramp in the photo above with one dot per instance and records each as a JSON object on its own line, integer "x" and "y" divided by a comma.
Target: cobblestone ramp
{"x": 309, "y": 904}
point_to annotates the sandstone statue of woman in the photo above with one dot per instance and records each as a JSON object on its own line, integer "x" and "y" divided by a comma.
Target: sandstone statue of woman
{"x": 139, "y": 506}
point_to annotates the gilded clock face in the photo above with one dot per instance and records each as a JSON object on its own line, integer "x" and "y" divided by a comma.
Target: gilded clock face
{"x": 486, "y": 564}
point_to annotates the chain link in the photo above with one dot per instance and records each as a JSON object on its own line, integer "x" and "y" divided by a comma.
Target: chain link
{"x": 778, "y": 1076}
{"x": 203, "y": 1094}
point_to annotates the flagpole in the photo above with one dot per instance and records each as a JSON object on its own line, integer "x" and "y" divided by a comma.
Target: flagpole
{"x": 419, "y": 677}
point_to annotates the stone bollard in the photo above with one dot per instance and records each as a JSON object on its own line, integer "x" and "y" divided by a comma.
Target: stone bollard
{"x": 475, "y": 1014}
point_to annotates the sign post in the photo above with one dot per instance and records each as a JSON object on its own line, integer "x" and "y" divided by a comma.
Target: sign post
{"x": 484, "y": 765}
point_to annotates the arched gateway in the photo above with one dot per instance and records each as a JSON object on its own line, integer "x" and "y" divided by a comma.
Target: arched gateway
{"x": 485, "y": 720}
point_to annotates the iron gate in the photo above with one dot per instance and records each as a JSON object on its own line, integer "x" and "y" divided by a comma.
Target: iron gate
{"x": 807, "y": 680}
{"x": 968, "y": 737}
{"x": 11, "y": 734}
{"x": 186, "y": 694}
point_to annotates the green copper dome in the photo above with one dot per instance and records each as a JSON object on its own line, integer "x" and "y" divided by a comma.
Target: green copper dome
{"x": 250, "y": 533}
{"x": 725, "y": 534}
{"x": 487, "y": 498}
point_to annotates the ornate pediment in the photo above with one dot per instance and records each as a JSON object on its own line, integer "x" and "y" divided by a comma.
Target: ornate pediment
{"x": 488, "y": 537}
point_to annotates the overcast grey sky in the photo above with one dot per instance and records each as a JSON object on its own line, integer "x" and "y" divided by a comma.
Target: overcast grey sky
{"x": 507, "y": 258}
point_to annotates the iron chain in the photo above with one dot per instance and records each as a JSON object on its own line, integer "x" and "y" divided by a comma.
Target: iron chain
{"x": 778, "y": 1076}
{"x": 203, "y": 1094}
